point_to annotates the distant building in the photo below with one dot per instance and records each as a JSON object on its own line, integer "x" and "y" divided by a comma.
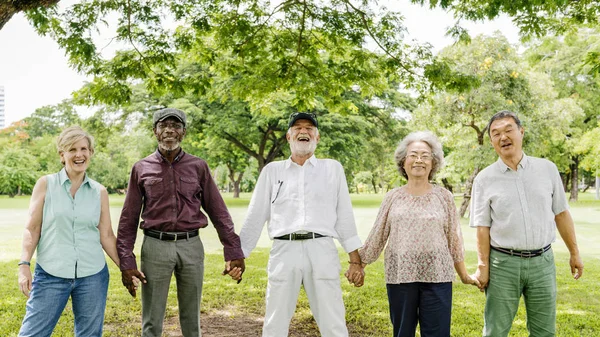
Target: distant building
{"x": 2, "y": 119}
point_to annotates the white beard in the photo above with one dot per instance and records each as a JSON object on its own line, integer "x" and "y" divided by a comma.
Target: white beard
{"x": 164, "y": 147}
{"x": 303, "y": 148}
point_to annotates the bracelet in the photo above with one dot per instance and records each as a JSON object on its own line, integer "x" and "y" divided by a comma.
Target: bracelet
{"x": 24, "y": 263}
{"x": 354, "y": 262}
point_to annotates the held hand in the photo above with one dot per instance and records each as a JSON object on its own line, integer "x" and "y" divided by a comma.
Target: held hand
{"x": 235, "y": 269}
{"x": 576, "y": 266}
{"x": 471, "y": 279}
{"x": 131, "y": 279}
{"x": 483, "y": 276}
{"x": 25, "y": 279}
{"x": 355, "y": 274}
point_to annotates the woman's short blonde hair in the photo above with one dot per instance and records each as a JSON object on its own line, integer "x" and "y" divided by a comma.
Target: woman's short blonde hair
{"x": 420, "y": 136}
{"x": 70, "y": 136}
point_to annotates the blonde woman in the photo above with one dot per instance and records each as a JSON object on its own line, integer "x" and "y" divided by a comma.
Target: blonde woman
{"x": 69, "y": 225}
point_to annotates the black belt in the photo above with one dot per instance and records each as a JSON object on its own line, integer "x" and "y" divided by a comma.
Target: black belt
{"x": 297, "y": 236}
{"x": 170, "y": 236}
{"x": 522, "y": 253}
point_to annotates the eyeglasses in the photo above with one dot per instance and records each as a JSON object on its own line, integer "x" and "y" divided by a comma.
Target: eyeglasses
{"x": 423, "y": 157}
{"x": 176, "y": 126}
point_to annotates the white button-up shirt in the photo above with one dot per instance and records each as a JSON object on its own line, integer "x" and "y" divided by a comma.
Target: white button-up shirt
{"x": 518, "y": 206}
{"x": 292, "y": 198}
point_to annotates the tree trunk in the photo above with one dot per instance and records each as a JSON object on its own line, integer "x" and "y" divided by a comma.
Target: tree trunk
{"x": 566, "y": 178}
{"x": 235, "y": 182}
{"x": 574, "y": 179}
{"x": 447, "y": 185}
{"x": 12, "y": 7}
{"x": 597, "y": 187}
{"x": 236, "y": 185}
{"x": 467, "y": 194}
{"x": 374, "y": 184}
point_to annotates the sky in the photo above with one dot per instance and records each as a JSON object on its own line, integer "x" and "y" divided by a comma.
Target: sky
{"x": 36, "y": 73}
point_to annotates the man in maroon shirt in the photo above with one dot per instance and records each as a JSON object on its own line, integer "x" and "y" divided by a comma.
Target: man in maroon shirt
{"x": 168, "y": 188}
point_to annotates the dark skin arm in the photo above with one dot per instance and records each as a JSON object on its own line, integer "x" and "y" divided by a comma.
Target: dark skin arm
{"x": 235, "y": 269}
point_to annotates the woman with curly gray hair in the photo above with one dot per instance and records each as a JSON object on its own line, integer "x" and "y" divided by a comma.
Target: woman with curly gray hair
{"x": 420, "y": 226}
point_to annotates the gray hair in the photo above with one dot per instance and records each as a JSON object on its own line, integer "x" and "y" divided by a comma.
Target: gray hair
{"x": 501, "y": 115}
{"x": 420, "y": 136}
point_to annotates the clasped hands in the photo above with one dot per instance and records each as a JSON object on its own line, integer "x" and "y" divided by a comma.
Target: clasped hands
{"x": 356, "y": 273}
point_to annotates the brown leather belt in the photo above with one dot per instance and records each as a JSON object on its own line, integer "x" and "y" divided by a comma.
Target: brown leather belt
{"x": 522, "y": 253}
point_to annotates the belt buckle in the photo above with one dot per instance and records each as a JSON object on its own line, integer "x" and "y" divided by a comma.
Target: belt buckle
{"x": 293, "y": 236}
{"x": 527, "y": 254}
{"x": 175, "y": 237}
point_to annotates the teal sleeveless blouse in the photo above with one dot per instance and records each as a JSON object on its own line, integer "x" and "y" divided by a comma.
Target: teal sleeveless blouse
{"x": 69, "y": 245}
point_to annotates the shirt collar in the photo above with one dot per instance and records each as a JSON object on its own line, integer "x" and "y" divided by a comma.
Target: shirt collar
{"x": 63, "y": 177}
{"x": 312, "y": 160}
{"x": 522, "y": 164}
{"x": 160, "y": 157}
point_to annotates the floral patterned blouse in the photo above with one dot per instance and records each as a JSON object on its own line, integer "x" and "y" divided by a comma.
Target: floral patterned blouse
{"x": 423, "y": 237}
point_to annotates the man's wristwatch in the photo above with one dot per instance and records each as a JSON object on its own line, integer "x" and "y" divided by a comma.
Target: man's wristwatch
{"x": 24, "y": 262}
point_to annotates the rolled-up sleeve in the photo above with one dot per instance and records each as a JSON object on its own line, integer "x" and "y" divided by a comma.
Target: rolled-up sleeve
{"x": 345, "y": 225}
{"x": 258, "y": 214}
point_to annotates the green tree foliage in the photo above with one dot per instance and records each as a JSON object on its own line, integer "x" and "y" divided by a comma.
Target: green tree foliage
{"x": 535, "y": 19}
{"x": 589, "y": 146}
{"x": 17, "y": 171}
{"x": 51, "y": 119}
{"x": 577, "y": 91}
{"x": 494, "y": 78}
{"x": 297, "y": 45}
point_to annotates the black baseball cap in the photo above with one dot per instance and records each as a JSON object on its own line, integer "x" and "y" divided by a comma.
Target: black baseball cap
{"x": 303, "y": 115}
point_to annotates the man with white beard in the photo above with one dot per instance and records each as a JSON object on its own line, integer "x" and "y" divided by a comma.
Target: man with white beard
{"x": 306, "y": 202}
{"x": 168, "y": 188}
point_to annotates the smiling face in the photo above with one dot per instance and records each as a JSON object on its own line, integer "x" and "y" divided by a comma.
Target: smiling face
{"x": 77, "y": 157}
{"x": 303, "y": 137}
{"x": 169, "y": 133}
{"x": 419, "y": 160}
{"x": 507, "y": 138}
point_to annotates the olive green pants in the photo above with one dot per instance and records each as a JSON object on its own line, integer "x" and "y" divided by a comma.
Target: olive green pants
{"x": 511, "y": 277}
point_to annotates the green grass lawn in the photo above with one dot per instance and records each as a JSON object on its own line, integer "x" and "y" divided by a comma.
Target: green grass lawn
{"x": 578, "y": 312}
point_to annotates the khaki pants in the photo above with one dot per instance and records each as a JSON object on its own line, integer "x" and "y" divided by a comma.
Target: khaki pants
{"x": 511, "y": 277}
{"x": 160, "y": 259}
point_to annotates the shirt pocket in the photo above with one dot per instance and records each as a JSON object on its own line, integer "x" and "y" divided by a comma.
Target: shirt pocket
{"x": 277, "y": 193}
{"x": 189, "y": 186}
{"x": 154, "y": 188}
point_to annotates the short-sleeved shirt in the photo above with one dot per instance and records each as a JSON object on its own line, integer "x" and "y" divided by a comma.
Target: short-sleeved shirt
{"x": 518, "y": 206}
{"x": 69, "y": 245}
{"x": 169, "y": 197}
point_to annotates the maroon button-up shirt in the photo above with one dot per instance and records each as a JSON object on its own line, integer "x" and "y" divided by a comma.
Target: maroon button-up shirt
{"x": 169, "y": 197}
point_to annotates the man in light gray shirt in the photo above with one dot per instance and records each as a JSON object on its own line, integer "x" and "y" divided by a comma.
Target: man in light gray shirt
{"x": 517, "y": 204}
